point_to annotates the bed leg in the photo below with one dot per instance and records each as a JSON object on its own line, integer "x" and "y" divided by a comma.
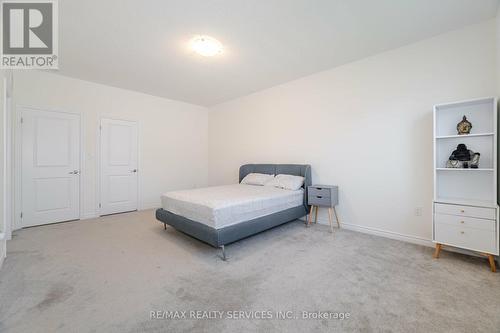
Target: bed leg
{"x": 223, "y": 253}
{"x": 164, "y": 226}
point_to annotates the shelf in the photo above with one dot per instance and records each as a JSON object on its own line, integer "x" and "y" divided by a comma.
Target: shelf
{"x": 467, "y": 202}
{"x": 462, "y": 169}
{"x": 464, "y": 136}
{"x": 475, "y": 101}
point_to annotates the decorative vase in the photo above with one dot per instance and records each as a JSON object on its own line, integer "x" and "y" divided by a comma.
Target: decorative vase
{"x": 474, "y": 163}
{"x": 454, "y": 164}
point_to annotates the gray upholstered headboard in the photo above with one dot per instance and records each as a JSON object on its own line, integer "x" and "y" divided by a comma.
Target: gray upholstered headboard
{"x": 303, "y": 170}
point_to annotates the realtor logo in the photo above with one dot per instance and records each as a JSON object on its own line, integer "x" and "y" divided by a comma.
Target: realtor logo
{"x": 29, "y": 34}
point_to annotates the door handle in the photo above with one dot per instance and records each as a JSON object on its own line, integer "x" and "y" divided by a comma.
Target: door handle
{"x": 134, "y": 171}
{"x": 74, "y": 172}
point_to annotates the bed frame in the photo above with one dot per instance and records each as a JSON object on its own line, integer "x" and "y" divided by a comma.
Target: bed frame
{"x": 233, "y": 233}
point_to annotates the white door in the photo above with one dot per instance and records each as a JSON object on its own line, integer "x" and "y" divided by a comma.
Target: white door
{"x": 50, "y": 167}
{"x": 118, "y": 166}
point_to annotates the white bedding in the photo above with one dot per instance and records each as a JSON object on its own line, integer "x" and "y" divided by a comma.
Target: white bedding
{"x": 222, "y": 206}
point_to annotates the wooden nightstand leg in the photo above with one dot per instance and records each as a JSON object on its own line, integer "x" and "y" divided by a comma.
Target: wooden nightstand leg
{"x": 309, "y": 218}
{"x": 336, "y": 217}
{"x": 330, "y": 219}
{"x": 316, "y": 215}
{"x": 438, "y": 249}
{"x": 492, "y": 263}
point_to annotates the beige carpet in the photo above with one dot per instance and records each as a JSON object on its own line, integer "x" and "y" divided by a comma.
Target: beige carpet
{"x": 108, "y": 274}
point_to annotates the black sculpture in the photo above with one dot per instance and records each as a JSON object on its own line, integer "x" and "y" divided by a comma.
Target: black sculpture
{"x": 463, "y": 158}
{"x": 461, "y": 153}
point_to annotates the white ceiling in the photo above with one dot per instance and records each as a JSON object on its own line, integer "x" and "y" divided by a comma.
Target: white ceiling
{"x": 142, "y": 45}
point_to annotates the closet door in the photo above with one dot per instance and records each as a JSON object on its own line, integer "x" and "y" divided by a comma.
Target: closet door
{"x": 50, "y": 167}
{"x": 118, "y": 166}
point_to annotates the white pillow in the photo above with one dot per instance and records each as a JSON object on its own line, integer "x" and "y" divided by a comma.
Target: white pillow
{"x": 287, "y": 182}
{"x": 257, "y": 179}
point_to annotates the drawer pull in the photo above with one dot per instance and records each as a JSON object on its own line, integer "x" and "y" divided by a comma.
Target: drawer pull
{"x": 462, "y": 222}
{"x": 462, "y": 232}
{"x": 319, "y": 196}
{"x": 462, "y": 210}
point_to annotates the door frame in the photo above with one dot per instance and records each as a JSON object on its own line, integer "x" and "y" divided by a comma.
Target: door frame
{"x": 99, "y": 162}
{"x": 8, "y": 197}
{"x": 18, "y": 196}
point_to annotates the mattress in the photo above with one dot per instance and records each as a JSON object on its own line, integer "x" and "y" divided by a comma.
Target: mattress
{"x": 222, "y": 206}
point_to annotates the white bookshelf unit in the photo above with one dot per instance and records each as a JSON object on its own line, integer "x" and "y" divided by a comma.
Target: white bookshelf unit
{"x": 466, "y": 211}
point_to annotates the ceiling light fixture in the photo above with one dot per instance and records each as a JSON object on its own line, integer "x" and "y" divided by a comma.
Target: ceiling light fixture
{"x": 206, "y": 46}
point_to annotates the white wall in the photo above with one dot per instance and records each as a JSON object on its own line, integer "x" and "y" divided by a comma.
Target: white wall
{"x": 2, "y": 160}
{"x": 498, "y": 51}
{"x": 172, "y": 135}
{"x": 498, "y": 78}
{"x": 5, "y": 160}
{"x": 366, "y": 126}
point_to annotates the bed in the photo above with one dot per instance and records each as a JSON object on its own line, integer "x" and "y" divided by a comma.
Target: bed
{"x": 221, "y": 215}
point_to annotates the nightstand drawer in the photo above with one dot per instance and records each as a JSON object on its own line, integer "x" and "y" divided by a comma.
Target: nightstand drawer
{"x": 468, "y": 238}
{"x": 319, "y": 191}
{"x": 318, "y": 200}
{"x": 477, "y": 212}
{"x": 466, "y": 222}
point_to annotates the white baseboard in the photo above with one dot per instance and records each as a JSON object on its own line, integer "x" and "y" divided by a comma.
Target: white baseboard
{"x": 93, "y": 215}
{"x": 149, "y": 205}
{"x": 385, "y": 233}
{"x": 90, "y": 215}
{"x": 389, "y": 234}
{"x": 401, "y": 237}
{"x": 3, "y": 251}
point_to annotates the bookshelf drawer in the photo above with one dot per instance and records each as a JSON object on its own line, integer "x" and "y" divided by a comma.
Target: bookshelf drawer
{"x": 466, "y": 222}
{"x": 467, "y": 238}
{"x": 469, "y": 211}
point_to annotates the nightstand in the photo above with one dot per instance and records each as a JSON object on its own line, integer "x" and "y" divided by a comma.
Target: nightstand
{"x": 323, "y": 196}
